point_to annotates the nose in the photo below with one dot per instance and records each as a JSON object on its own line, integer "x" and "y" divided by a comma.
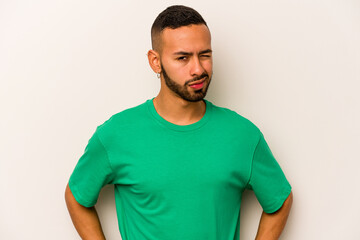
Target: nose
{"x": 196, "y": 67}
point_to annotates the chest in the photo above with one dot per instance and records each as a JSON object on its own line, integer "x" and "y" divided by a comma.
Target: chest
{"x": 157, "y": 162}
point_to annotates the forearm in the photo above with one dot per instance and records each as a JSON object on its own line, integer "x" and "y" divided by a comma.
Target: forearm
{"x": 272, "y": 225}
{"x": 85, "y": 220}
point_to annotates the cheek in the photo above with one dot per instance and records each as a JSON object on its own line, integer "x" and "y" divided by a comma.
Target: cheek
{"x": 178, "y": 72}
{"x": 208, "y": 67}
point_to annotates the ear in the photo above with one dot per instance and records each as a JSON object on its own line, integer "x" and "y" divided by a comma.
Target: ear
{"x": 154, "y": 61}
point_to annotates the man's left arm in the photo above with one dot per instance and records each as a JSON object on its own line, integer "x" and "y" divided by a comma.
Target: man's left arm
{"x": 271, "y": 225}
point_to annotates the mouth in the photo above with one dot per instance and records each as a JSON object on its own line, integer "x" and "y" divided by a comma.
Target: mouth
{"x": 198, "y": 84}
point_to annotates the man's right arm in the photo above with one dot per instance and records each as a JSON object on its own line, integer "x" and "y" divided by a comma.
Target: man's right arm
{"x": 85, "y": 220}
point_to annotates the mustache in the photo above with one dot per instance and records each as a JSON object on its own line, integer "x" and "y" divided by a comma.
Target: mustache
{"x": 197, "y": 78}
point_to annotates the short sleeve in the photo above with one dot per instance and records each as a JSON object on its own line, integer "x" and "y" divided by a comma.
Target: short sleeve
{"x": 92, "y": 172}
{"x": 267, "y": 179}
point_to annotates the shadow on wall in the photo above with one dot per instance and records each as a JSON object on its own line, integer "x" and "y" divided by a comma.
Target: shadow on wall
{"x": 107, "y": 212}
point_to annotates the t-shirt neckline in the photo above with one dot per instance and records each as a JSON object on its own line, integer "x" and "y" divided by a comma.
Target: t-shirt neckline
{"x": 180, "y": 128}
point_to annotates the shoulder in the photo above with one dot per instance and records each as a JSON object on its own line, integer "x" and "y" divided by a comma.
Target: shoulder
{"x": 234, "y": 120}
{"x": 124, "y": 119}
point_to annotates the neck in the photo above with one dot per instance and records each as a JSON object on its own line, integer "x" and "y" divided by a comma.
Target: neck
{"x": 177, "y": 110}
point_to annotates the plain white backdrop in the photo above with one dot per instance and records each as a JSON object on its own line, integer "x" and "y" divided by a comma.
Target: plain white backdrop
{"x": 291, "y": 67}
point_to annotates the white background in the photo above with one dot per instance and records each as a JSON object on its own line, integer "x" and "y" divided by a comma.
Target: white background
{"x": 291, "y": 67}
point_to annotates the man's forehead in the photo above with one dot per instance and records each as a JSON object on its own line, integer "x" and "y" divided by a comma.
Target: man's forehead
{"x": 189, "y": 31}
{"x": 187, "y": 38}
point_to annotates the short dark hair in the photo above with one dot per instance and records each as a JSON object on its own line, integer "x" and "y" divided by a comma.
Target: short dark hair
{"x": 173, "y": 17}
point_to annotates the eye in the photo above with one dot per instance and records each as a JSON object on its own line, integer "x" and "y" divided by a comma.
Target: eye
{"x": 182, "y": 58}
{"x": 205, "y": 56}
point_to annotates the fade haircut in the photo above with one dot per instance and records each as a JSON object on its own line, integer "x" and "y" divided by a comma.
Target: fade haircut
{"x": 173, "y": 17}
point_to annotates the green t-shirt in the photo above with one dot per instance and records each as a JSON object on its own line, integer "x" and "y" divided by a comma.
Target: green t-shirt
{"x": 177, "y": 182}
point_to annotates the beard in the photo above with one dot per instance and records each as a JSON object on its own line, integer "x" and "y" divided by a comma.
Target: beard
{"x": 182, "y": 90}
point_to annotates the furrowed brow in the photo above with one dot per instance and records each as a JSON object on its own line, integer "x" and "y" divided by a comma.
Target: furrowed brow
{"x": 183, "y": 53}
{"x": 189, "y": 54}
{"x": 206, "y": 51}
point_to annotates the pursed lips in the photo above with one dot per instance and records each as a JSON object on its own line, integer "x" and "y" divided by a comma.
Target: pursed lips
{"x": 198, "y": 82}
{"x": 197, "y": 85}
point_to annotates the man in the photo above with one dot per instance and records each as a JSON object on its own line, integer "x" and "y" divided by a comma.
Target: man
{"x": 178, "y": 162}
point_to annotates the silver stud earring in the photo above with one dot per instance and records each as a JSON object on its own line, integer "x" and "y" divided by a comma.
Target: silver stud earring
{"x": 158, "y": 75}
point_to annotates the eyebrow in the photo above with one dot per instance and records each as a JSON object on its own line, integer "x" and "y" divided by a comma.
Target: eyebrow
{"x": 188, "y": 53}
